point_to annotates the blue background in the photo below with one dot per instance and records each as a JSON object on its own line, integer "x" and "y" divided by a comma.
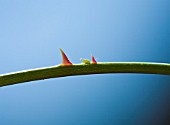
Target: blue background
{"x": 31, "y": 33}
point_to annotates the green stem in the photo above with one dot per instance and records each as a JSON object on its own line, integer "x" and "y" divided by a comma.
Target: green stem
{"x": 81, "y": 69}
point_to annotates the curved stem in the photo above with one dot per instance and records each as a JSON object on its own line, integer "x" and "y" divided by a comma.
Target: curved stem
{"x": 81, "y": 69}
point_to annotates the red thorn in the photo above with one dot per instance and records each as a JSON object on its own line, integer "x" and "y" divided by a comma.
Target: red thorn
{"x": 93, "y": 60}
{"x": 65, "y": 60}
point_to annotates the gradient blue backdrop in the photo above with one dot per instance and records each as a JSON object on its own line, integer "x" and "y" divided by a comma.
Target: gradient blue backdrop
{"x": 31, "y": 33}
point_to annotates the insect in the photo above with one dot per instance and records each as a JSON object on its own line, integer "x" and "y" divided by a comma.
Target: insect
{"x": 86, "y": 61}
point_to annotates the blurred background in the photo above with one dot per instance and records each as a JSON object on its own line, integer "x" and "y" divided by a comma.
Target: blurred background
{"x": 31, "y": 33}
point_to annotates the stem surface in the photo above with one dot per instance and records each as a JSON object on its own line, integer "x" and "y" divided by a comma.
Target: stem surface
{"x": 82, "y": 69}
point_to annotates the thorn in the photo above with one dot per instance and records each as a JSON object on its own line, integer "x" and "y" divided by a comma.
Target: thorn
{"x": 93, "y": 60}
{"x": 65, "y": 60}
